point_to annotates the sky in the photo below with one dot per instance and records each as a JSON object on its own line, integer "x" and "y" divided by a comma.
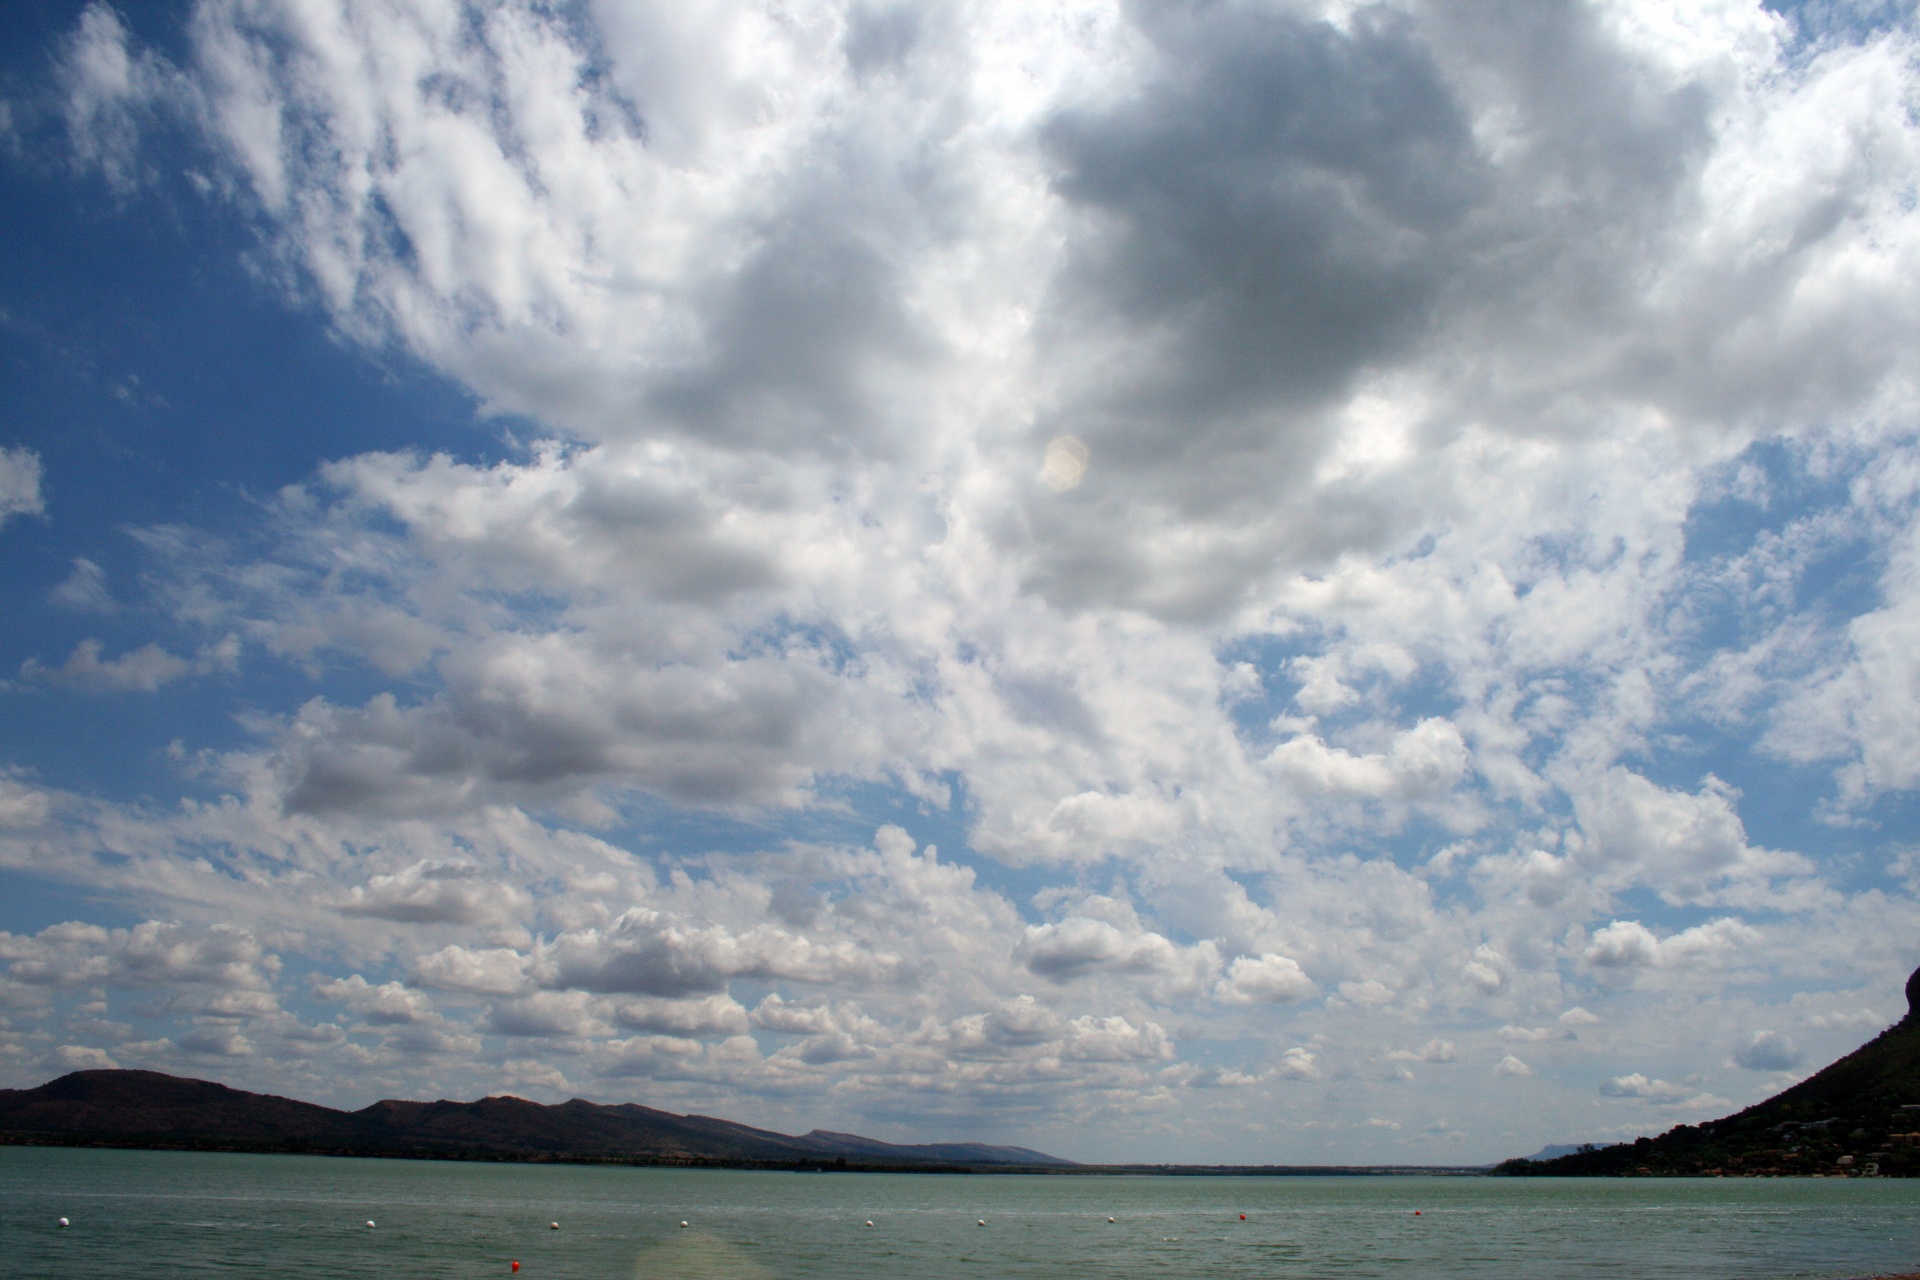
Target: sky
{"x": 1257, "y": 581}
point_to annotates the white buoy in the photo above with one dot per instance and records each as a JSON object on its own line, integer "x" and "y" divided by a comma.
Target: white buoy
{"x": 983, "y": 1222}
{"x": 869, "y": 1221}
{"x": 553, "y": 1226}
{"x": 369, "y": 1224}
{"x": 683, "y": 1222}
{"x": 1109, "y": 1219}
{"x": 63, "y": 1224}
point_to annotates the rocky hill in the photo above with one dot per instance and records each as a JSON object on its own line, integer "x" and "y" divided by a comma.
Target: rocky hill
{"x": 1859, "y": 1116}
{"x": 149, "y": 1109}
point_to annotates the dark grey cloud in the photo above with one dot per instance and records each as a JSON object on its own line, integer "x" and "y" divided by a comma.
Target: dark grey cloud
{"x": 1268, "y": 212}
{"x": 1276, "y": 211}
{"x": 1285, "y": 209}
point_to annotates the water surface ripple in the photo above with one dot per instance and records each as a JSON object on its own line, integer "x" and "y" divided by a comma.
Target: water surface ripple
{"x": 161, "y": 1214}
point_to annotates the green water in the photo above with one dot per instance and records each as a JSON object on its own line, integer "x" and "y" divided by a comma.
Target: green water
{"x": 159, "y": 1214}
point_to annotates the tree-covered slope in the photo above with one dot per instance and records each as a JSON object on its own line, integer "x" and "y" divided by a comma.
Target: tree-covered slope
{"x": 1860, "y": 1115}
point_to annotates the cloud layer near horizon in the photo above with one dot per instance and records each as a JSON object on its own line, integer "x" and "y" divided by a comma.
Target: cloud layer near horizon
{"x": 1330, "y": 501}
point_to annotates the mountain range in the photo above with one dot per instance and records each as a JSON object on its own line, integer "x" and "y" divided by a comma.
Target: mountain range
{"x": 1858, "y": 1116}
{"x": 149, "y": 1109}
{"x": 1861, "y": 1115}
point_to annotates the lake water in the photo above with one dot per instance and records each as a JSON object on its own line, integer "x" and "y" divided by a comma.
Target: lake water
{"x": 158, "y": 1214}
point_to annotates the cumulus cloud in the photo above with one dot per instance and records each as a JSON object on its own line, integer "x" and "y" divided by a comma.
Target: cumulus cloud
{"x": 1253, "y": 470}
{"x": 436, "y": 893}
{"x": 1086, "y": 947}
{"x": 1435, "y": 1050}
{"x": 648, "y": 952}
{"x": 499, "y": 971}
{"x": 1660, "y": 1093}
{"x": 79, "y": 1057}
{"x": 1268, "y": 978}
{"x": 1298, "y": 1063}
{"x": 1768, "y": 1051}
{"x": 1628, "y": 944}
{"x": 1680, "y": 842}
{"x": 156, "y": 953}
{"x": 22, "y": 805}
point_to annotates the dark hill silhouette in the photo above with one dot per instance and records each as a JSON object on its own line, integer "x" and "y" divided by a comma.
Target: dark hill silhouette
{"x": 1859, "y": 1115}
{"x": 149, "y": 1109}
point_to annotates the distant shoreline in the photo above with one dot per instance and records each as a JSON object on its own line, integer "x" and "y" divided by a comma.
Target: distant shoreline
{"x": 640, "y": 1161}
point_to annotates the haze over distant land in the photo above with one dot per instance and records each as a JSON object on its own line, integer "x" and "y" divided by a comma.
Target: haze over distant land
{"x": 1272, "y": 581}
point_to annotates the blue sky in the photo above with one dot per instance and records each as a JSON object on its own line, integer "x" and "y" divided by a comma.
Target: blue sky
{"x": 1244, "y": 581}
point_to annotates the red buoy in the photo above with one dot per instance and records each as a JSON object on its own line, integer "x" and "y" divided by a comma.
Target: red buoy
{"x": 516, "y": 1266}
{"x": 1416, "y": 1213}
{"x": 1243, "y": 1217}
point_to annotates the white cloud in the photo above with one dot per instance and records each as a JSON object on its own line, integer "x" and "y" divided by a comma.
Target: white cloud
{"x": 22, "y": 805}
{"x": 1768, "y": 1051}
{"x": 19, "y": 484}
{"x": 1678, "y": 842}
{"x": 1298, "y": 1063}
{"x": 1628, "y": 944}
{"x": 436, "y": 893}
{"x": 648, "y": 952}
{"x": 76, "y": 1057}
{"x": 1268, "y": 978}
{"x": 1848, "y": 1019}
{"x": 143, "y": 670}
{"x": 498, "y": 971}
{"x": 1076, "y": 945}
{"x": 155, "y": 953}
{"x": 388, "y": 1004}
{"x": 1214, "y": 457}
{"x": 1657, "y": 1092}
{"x": 84, "y": 589}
